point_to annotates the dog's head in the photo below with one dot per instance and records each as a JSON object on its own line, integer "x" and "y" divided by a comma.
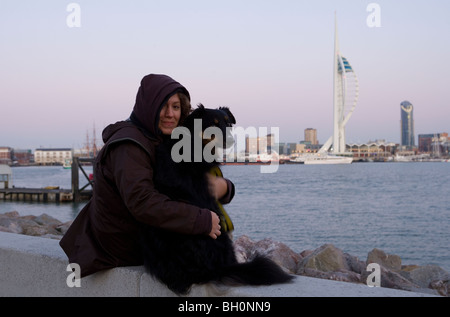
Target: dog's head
{"x": 220, "y": 120}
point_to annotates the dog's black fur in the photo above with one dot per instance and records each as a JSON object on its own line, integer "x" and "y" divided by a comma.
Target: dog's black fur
{"x": 180, "y": 260}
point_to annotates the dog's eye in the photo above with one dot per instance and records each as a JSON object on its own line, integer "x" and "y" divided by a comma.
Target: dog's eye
{"x": 216, "y": 121}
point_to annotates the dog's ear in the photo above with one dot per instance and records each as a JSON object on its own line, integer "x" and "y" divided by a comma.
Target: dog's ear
{"x": 196, "y": 114}
{"x": 199, "y": 112}
{"x": 229, "y": 114}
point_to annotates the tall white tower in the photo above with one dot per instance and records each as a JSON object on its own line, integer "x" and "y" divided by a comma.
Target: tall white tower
{"x": 345, "y": 97}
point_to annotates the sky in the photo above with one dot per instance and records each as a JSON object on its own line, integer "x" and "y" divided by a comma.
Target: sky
{"x": 66, "y": 69}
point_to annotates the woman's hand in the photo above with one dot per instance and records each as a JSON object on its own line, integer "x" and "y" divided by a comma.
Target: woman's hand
{"x": 218, "y": 186}
{"x": 215, "y": 230}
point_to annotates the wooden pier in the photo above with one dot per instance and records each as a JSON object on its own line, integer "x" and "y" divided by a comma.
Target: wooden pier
{"x": 55, "y": 194}
{"x": 36, "y": 194}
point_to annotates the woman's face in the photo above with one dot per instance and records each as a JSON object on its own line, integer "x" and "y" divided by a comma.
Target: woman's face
{"x": 170, "y": 115}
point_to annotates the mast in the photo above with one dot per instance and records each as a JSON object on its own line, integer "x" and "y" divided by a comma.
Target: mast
{"x": 336, "y": 104}
{"x": 94, "y": 143}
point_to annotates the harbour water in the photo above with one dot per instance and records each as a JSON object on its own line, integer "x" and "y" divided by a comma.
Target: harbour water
{"x": 401, "y": 208}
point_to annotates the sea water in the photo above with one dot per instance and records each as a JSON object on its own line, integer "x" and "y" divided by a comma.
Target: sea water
{"x": 401, "y": 208}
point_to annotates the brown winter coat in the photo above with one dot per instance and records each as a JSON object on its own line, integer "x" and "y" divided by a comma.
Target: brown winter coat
{"x": 105, "y": 234}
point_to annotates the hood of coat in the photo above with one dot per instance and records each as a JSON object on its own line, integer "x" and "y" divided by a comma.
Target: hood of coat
{"x": 154, "y": 91}
{"x": 111, "y": 129}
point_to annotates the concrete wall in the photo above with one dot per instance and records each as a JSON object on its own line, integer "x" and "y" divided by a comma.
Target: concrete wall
{"x": 33, "y": 266}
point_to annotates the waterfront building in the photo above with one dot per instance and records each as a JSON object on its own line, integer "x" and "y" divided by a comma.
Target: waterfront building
{"x": 23, "y": 157}
{"x": 436, "y": 144}
{"x": 259, "y": 145}
{"x": 379, "y": 150}
{"x": 56, "y": 156}
{"x": 425, "y": 142}
{"x": 5, "y": 155}
{"x": 345, "y": 97}
{"x": 311, "y": 136}
{"x": 407, "y": 125}
{"x": 10, "y": 156}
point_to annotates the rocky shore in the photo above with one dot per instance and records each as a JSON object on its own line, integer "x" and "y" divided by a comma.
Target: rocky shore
{"x": 326, "y": 262}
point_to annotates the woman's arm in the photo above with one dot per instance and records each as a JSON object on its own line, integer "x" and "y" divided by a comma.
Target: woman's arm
{"x": 221, "y": 188}
{"x": 131, "y": 171}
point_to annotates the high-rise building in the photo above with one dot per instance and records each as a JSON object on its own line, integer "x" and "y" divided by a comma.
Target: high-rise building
{"x": 407, "y": 124}
{"x": 311, "y": 136}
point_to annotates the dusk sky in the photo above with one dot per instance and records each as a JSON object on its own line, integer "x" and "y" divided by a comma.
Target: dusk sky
{"x": 270, "y": 62}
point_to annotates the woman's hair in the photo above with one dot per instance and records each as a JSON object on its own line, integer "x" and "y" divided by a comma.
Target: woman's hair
{"x": 185, "y": 106}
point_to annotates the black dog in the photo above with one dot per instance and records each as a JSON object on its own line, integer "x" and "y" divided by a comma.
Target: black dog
{"x": 179, "y": 260}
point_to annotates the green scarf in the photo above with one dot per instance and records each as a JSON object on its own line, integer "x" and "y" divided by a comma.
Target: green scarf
{"x": 225, "y": 221}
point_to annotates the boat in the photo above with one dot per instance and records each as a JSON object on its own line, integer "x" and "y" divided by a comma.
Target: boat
{"x": 327, "y": 159}
{"x": 67, "y": 164}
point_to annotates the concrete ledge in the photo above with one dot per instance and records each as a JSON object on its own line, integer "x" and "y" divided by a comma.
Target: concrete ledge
{"x": 34, "y": 266}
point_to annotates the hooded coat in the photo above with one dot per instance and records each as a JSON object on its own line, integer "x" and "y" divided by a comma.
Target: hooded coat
{"x": 105, "y": 233}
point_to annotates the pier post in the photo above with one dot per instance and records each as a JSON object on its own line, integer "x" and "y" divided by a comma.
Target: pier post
{"x": 80, "y": 194}
{"x": 75, "y": 180}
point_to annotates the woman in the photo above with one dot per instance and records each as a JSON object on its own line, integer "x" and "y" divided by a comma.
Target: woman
{"x": 105, "y": 234}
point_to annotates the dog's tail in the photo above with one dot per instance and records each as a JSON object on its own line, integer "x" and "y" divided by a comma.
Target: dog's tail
{"x": 259, "y": 271}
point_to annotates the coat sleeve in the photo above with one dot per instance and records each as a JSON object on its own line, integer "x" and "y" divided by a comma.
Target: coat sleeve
{"x": 132, "y": 173}
{"x": 229, "y": 194}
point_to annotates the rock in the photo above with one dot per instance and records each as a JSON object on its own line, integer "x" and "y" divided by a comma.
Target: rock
{"x": 391, "y": 279}
{"x": 389, "y": 261}
{"x": 13, "y": 214}
{"x": 12, "y": 222}
{"x": 354, "y": 264}
{"x": 408, "y": 268}
{"x": 443, "y": 288}
{"x": 305, "y": 253}
{"x": 327, "y": 258}
{"x": 4, "y": 229}
{"x": 62, "y": 228}
{"x": 426, "y": 275}
{"x": 280, "y": 253}
{"x": 38, "y": 230}
{"x": 47, "y": 220}
{"x": 342, "y": 275}
{"x": 243, "y": 247}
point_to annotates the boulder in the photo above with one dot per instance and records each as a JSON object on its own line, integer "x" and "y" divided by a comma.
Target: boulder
{"x": 243, "y": 247}
{"x": 389, "y": 261}
{"x": 46, "y": 220}
{"x": 38, "y": 230}
{"x": 280, "y": 253}
{"x": 326, "y": 258}
{"x": 11, "y": 214}
{"x": 391, "y": 279}
{"x": 443, "y": 288}
{"x": 62, "y": 228}
{"x": 341, "y": 275}
{"x": 5, "y": 229}
{"x": 355, "y": 264}
{"x": 9, "y": 224}
{"x": 429, "y": 276}
{"x": 12, "y": 222}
